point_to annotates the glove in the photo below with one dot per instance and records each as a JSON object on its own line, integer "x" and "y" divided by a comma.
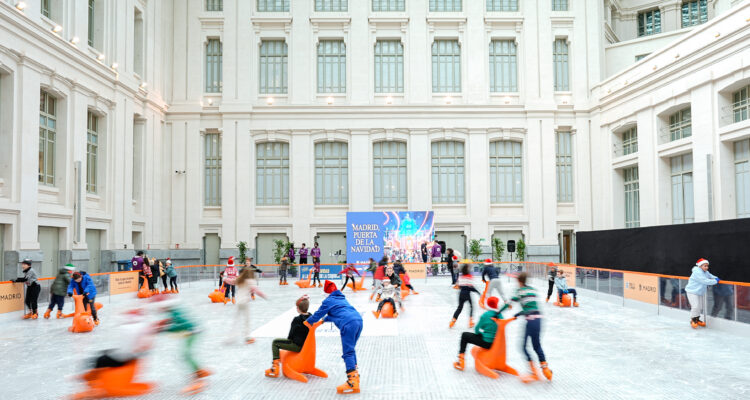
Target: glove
{"x": 565, "y": 291}
{"x": 717, "y": 280}
{"x": 70, "y": 294}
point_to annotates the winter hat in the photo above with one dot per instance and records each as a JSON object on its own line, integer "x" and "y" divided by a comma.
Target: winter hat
{"x": 492, "y": 302}
{"x": 701, "y": 262}
{"x": 304, "y": 297}
{"x": 488, "y": 261}
{"x": 230, "y": 261}
{"x": 26, "y": 261}
{"x": 70, "y": 267}
{"x": 169, "y": 261}
{"x": 329, "y": 286}
{"x": 455, "y": 258}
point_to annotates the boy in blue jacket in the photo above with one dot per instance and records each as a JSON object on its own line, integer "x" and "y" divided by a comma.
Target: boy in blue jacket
{"x": 83, "y": 284}
{"x": 337, "y": 310}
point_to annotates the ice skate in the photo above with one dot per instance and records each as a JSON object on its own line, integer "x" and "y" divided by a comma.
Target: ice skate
{"x": 273, "y": 372}
{"x": 47, "y": 313}
{"x": 699, "y": 322}
{"x": 233, "y": 301}
{"x": 546, "y": 371}
{"x": 376, "y": 314}
{"x": 351, "y": 385}
{"x": 195, "y": 387}
{"x": 471, "y": 322}
{"x": 575, "y": 304}
{"x": 59, "y": 314}
{"x": 459, "y": 365}
{"x": 693, "y": 323}
{"x": 249, "y": 340}
{"x": 453, "y": 322}
{"x": 532, "y": 376}
{"x": 27, "y": 315}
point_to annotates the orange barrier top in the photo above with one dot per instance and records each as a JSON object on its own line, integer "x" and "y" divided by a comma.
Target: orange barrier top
{"x": 472, "y": 262}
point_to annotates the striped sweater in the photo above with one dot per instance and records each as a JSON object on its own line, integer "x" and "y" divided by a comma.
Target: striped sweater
{"x": 526, "y": 296}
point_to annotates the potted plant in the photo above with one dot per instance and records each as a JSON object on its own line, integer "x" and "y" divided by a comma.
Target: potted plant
{"x": 521, "y": 250}
{"x": 242, "y": 247}
{"x": 498, "y": 248}
{"x": 475, "y": 249}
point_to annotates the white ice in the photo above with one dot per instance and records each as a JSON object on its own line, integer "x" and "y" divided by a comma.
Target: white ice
{"x": 598, "y": 351}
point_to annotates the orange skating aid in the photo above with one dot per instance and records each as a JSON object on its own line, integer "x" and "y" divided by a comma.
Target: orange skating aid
{"x": 487, "y": 360}
{"x": 294, "y": 365}
{"x": 483, "y": 297}
{"x": 82, "y": 320}
{"x": 113, "y": 382}
{"x": 304, "y": 284}
{"x": 357, "y": 285}
{"x": 144, "y": 292}
{"x": 565, "y": 301}
{"x": 217, "y": 296}
{"x": 388, "y": 311}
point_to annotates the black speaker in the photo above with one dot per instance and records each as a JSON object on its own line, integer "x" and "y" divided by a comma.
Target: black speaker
{"x": 511, "y": 246}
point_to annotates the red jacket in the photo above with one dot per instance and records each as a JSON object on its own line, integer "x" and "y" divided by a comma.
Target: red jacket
{"x": 349, "y": 271}
{"x": 380, "y": 272}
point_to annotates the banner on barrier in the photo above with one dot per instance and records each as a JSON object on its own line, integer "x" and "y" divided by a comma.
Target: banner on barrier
{"x": 11, "y": 297}
{"x": 327, "y": 271}
{"x": 397, "y": 234}
{"x": 641, "y": 287}
{"x": 416, "y": 270}
{"x": 125, "y": 282}
{"x": 570, "y": 275}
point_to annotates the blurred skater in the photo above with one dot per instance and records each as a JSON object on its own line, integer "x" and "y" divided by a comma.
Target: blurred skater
{"x": 388, "y": 294}
{"x": 399, "y": 270}
{"x": 283, "y": 268}
{"x": 163, "y": 275}
{"x": 466, "y": 286}
{"x": 492, "y": 274}
{"x": 247, "y": 288}
{"x": 349, "y": 272}
{"x": 699, "y": 280}
{"x": 137, "y": 265}
{"x": 316, "y": 271}
{"x": 58, "y": 290}
{"x": 29, "y": 279}
{"x": 526, "y": 296}
{"x": 484, "y": 332}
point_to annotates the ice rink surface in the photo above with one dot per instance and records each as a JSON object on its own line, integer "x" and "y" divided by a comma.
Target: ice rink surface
{"x": 598, "y": 351}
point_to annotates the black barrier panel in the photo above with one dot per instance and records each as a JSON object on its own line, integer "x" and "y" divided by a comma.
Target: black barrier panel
{"x": 671, "y": 249}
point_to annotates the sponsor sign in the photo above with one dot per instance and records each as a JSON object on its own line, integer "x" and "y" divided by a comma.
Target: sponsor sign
{"x": 124, "y": 282}
{"x": 327, "y": 271}
{"x": 570, "y": 275}
{"x": 643, "y": 288}
{"x": 416, "y": 270}
{"x": 11, "y": 297}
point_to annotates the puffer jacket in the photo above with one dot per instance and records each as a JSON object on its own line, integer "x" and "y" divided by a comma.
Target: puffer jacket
{"x": 62, "y": 280}
{"x": 336, "y": 309}
{"x": 561, "y": 283}
{"x": 699, "y": 281}
{"x": 86, "y": 286}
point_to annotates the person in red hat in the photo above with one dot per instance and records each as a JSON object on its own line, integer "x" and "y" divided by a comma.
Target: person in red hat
{"x": 336, "y": 309}
{"x": 230, "y": 278}
{"x": 484, "y": 332}
{"x": 696, "y": 287}
{"x": 492, "y": 275}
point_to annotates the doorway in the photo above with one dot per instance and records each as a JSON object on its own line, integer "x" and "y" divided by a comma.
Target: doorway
{"x": 138, "y": 240}
{"x": 332, "y": 247}
{"x": 264, "y": 246}
{"x": 211, "y": 245}
{"x": 93, "y": 242}
{"x": 49, "y": 242}
{"x": 566, "y": 247}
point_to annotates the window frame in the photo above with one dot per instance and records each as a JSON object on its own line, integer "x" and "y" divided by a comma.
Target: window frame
{"x": 92, "y": 152}
{"x": 560, "y": 5}
{"x": 455, "y": 66}
{"x": 742, "y": 178}
{"x": 382, "y": 170}
{"x": 388, "y": 5}
{"x": 331, "y": 5}
{"x": 631, "y": 188}
{"x": 504, "y": 166}
{"x": 501, "y": 5}
{"x": 510, "y": 84}
{"x": 212, "y": 162}
{"x": 459, "y": 175}
{"x": 47, "y": 138}
{"x": 282, "y": 178}
{"x": 693, "y": 16}
{"x": 629, "y": 138}
{"x": 740, "y": 104}
{"x": 643, "y": 22}
{"x": 564, "y": 167}
{"x": 446, "y": 5}
{"x": 381, "y": 62}
{"x": 324, "y": 169}
{"x": 335, "y": 63}
{"x": 267, "y": 67}
{"x": 213, "y": 75}
{"x": 214, "y": 5}
{"x": 680, "y": 124}
{"x": 272, "y": 5}
{"x": 561, "y": 64}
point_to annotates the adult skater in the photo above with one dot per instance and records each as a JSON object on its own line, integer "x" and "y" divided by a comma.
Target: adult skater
{"x": 699, "y": 280}
{"x": 32, "y": 288}
{"x": 492, "y": 274}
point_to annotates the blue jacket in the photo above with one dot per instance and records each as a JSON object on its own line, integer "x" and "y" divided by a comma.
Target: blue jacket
{"x": 490, "y": 271}
{"x": 337, "y": 310}
{"x": 86, "y": 286}
{"x": 699, "y": 280}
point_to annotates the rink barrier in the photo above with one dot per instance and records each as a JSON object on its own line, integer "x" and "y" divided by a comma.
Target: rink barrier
{"x": 731, "y": 301}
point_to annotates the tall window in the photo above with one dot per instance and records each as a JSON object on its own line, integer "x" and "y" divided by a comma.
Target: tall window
{"x": 630, "y": 141}
{"x": 273, "y": 5}
{"x": 47, "y": 137}
{"x": 559, "y": 5}
{"x": 331, "y": 173}
{"x": 448, "y": 172}
{"x": 47, "y": 8}
{"x": 389, "y": 172}
{"x": 560, "y": 60}
{"x": 212, "y": 157}
{"x": 680, "y": 124}
{"x": 649, "y": 22}
{"x": 273, "y": 67}
{"x": 564, "y": 167}
{"x": 682, "y": 189}
{"x": 632, "y": 198}
{"x": 506, "y": 172}
{"x": 388, "y": 5}
{"x": 389, "y": 66}
{"x": 213, "y": 66}
{"x": 740, "y": 104}
{"x": 446, "y": 66}
{"x": 503, "y": 66}
{"x": 331, "y": 66}
{"x": 694, "y": 12}
{"x": 502, "y": 5}
{"x": 272, "y": 174}
{"x": 92, "y": 152}
{"x": 445, "y": 5}
{"x": 92, "y": 13}
{"x": 331, "y": 5}
{"x": 742, "y": 177}
{"x": 214, "y": 5}
{"x": 139, "y": 53}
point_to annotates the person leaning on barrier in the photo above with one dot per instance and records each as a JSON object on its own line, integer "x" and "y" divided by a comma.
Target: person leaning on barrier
{"x": 29, "y": 279}
{"x": 699, "y": 280}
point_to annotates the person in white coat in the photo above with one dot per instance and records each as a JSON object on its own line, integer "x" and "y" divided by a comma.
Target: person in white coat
{"x": 700, "y": 279}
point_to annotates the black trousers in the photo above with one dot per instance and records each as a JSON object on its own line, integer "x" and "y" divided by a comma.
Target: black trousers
{"x": 382, "y": 303}
{"x": 164, "y": 281}
{"x": 228, "y": 288}
{"x": 346, "y": 280}
{"x": 549, "y": 288}
{"x": 32, "y": 295}
{"x": 173, "y": 282}
{"x": 303, "y": 260}
{"x": 316, "y": 277}
{"x": 89, "y": 303}
{"x": 463, "y": 297}
{"x": 473, "y": 338}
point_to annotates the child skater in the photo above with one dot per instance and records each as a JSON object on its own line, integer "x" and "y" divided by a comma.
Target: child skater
{"x": 29, "y": 279}
{"x": 388, "y": 293}
{"x": 83, "y": 284}
{"x": 492, "y": 274}
{"x": 484, "y": 332}
{"x": 377, "y": 277}
{"x": 59, "y": 290}
{"x": 230, "y": 278}
{"x": 172, "y": 274}
{"x": 551, "y": 275}
{"x": 466, "y": 285}
{"x": 316, "y": 271}
{"x": 337, "y": 310}
{"x": 562, "y": 288}
{"x": 247, "y": 288}
{"x": 283, "y": 267}
{"x": 699, "y": 280}
{"x": 294, "y": 340}
{"x": 526, "y": 296}
{"x": 398, "y": 269}
{"x": 349, "y": 272}
{"x": 163, "y": 275}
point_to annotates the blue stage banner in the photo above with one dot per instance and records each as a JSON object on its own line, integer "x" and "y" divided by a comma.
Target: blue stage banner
{"x": 397, "y": 234}
{"x": 327, "y": 271}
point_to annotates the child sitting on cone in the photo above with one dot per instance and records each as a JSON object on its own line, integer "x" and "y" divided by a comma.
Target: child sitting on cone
{"x": 484, "y": 332}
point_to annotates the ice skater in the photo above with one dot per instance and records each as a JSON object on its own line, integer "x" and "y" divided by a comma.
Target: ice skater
{"x": 398, "y": 269}
{"x": 551, "y": 275}
{"x": 562, "y": 288}
{"x": 484, "y": 332}
{"x": 466, "y": 286}
{"x": 172, "y": 275}
{"x": 389, "y": 293}
{"x": 336, "y": 309}
{"x": 316, "y": 272}
{"x": 230, "y": 278}
{"x": 699, "y": 280}
{"x": 348, "y": 273}
{"x": 283, "y": 268}
{"x": 295, "y": 339}
{"x": 526, "y": 296}
{"x": 247, "y": 289}
{"x": 492, "y": 274}
{"x": 84, "y": 285}
{"x": 59, "y": 290}
{"x": 29, "y": 279}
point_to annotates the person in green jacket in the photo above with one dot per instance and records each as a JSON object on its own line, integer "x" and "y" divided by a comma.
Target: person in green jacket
{"x": 59, "y": 290}
{"x": 484, "y": 332}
